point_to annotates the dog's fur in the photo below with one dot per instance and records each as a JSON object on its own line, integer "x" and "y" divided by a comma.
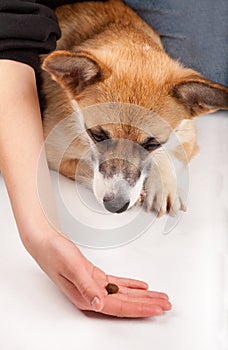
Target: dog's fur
{"x": 124, "y": 97}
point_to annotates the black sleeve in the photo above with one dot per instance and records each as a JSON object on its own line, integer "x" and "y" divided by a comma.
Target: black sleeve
{"x": 27, "y": 29}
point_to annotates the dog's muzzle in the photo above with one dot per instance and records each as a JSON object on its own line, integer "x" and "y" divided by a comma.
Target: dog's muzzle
{"x": 115, "y": 204}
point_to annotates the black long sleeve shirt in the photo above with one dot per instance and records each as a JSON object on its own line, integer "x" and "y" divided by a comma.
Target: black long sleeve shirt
{"x": 28, "y": 28}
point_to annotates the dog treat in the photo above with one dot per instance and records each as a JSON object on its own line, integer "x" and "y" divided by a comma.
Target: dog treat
{"x": 112, "y": 288}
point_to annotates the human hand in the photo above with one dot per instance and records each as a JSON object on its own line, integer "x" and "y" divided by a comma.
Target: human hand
{"x": 84, "y": 284}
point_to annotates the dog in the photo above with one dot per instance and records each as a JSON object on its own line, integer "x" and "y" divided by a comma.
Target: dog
{"x": 119, "y": 113}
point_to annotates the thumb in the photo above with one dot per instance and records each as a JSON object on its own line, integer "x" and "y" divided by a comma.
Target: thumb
{"x": 90, "y": 290}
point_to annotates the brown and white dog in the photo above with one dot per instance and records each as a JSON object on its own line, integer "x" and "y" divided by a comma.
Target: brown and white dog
{"x": 117, "y": 104}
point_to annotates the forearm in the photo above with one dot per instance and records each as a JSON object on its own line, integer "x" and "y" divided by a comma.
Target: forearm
{"x": 21, "y": 140}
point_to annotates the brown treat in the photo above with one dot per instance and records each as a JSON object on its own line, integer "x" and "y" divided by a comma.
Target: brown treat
{"x": 112, "y": 288}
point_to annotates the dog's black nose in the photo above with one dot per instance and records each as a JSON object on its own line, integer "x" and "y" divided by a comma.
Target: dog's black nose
{"x": 121, "y": 210}
{"x": 115, "y": 205}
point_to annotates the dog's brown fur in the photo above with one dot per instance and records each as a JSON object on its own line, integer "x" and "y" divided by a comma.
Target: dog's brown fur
{"x": 108, "y": 54}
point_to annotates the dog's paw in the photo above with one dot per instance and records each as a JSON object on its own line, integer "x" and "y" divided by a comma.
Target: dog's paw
{"x": 166, "y": 199}
{"x": 162, "y": 193}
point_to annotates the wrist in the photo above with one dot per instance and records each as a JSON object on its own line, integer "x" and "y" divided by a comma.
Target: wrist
{"x": 36, "y": 234}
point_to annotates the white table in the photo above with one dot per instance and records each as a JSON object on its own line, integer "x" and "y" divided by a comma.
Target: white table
{"x": 189, "y": 263}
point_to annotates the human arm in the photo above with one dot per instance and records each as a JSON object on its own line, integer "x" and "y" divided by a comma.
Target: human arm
{"x": 21, "y": 140}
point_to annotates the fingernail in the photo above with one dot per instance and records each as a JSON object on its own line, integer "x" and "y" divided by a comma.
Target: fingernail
{"x": 169, "y": 306}
{"x": 145, "y": 285}
{"x": 95, "y": 303}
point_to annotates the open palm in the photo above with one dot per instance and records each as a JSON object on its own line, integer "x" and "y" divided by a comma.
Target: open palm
{"x": 84, "y": 284}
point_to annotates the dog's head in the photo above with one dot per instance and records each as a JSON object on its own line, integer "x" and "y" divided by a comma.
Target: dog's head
{"x": 122, "y": 139}
{"x": 131, "y": 106}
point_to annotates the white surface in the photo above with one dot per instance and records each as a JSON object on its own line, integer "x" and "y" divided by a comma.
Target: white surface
{"x": 189, "y": 264}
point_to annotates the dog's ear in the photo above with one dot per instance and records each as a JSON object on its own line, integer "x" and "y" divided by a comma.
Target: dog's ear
{"x": 75, "y": 71}
{"x": 200, "y": 95}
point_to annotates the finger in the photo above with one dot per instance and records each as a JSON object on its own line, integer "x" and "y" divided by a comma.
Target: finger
{"x": 127, "y": 282}
{"x": 89, "y": 289}
{"x": 72, "y": 293}
{"x": 162, "y": 303}
{"x": 143, "y": 293}
{"x": 101, "y": 279}
{"x": 122, "y": 308}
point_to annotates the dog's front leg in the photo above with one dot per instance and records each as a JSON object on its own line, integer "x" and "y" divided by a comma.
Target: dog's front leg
{"x": 166, "y": 187}
{"x": 78, "y": 170}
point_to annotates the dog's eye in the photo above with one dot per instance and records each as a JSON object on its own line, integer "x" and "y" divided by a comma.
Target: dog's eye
{"x": 98, "y": 136}
{"x": 151, "y": 147}
{"x": 151, "y": 144}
